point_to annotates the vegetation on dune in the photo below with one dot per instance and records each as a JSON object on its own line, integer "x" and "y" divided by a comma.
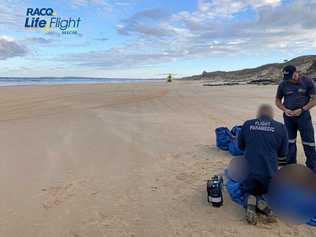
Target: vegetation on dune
{"x": 269, "y": 72}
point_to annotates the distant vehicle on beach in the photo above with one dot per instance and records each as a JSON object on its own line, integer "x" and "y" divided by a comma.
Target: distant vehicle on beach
{"x": 169, "y": 78}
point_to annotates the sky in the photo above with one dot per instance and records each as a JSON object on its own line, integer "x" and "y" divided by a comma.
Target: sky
{"x": 151, "y": 38}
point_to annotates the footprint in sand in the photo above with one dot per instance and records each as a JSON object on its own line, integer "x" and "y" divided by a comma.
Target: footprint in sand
{"x": 58, "y": 194}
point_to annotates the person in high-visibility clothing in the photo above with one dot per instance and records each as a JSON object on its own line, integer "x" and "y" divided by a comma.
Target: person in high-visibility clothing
{"x": 295, "y": 97}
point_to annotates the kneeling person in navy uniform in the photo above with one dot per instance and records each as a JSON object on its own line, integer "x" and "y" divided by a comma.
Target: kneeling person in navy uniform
{"x": 264, "y": 140}
{"x": 298, "y": 95}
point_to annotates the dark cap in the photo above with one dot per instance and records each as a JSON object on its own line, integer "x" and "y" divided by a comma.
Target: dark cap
{"x": 288, "y": 72}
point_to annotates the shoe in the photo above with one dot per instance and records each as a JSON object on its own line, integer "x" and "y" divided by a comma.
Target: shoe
{"x": 271, "y": 219}
{"x": 251, "y": 214}
{"x": 265, "y": 209}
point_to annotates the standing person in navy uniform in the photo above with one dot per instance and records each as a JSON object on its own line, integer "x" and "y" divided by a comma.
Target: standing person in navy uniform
{"x": 264, "y": 140}
{"x": 298, "y": 95}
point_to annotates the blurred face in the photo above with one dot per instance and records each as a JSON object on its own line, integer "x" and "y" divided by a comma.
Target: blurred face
{"x": 296, "y": 77}
{"x": 265, "y": 110}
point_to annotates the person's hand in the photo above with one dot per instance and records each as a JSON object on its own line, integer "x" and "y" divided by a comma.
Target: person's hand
{"x": 289, "y": 113}
{"x": 297, "y": 112}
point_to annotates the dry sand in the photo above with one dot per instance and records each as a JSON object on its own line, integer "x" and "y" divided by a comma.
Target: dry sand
{"x": 121, "y": 160}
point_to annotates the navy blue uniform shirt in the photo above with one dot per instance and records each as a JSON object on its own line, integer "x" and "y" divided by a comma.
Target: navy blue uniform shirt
{"x": 263, "y": 140}
{"x": 296, "y": 95}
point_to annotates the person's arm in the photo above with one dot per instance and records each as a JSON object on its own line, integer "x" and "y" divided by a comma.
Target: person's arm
{"x": 311, "y": 92}
{"x": 310, "y": 104}
{"x": 279, "y": 104}
{"x": 241, "y": 139}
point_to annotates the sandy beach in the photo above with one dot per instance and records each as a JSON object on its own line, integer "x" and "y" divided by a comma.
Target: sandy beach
{"x": 122, "y": 160}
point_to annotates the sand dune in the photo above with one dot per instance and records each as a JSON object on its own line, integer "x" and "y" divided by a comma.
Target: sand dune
{"x": 121, "y": 160}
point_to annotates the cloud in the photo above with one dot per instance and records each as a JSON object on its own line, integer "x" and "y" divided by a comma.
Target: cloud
{"x": 226, "y": 8}
{"x": 5, "y": 16}
{"x": 10, "y": 12}
{"x": 150, "y": 14}
{"x": 38, "y": 40}
{"x": 297, "y": 14}
{"x": 146, "y": 22}
{"x": 214, "y": 28}
{"x": 142, "y": 54}
{"x": 9, "y": 48}
{"x": 115, "y": 58}
{"x": 217, "y": 20}
{"x": 103, "y": 5}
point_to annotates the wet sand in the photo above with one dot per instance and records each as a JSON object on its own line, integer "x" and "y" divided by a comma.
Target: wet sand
{"x": 121, "y": 160}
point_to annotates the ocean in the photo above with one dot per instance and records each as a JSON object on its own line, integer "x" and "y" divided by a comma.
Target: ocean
{"x": 64, "y": 81}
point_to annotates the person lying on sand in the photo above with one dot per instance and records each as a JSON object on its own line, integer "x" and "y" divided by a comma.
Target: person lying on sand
{"x": 263, "y": 140}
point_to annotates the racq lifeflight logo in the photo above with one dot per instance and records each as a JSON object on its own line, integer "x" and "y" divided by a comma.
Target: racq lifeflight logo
{"x": 46, "y": 19}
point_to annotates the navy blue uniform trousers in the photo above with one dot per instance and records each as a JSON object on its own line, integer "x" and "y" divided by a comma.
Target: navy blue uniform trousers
{"x": 304, "y": 125}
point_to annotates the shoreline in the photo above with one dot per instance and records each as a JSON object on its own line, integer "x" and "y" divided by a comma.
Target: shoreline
{"x": 130, "y": 81}
{"x": 155, "y": 82}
